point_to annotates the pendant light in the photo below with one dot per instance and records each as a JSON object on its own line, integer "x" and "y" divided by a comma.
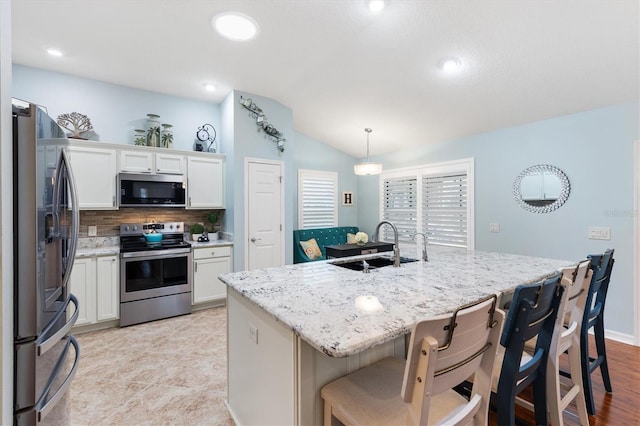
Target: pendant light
{"x": 367, "y": 168}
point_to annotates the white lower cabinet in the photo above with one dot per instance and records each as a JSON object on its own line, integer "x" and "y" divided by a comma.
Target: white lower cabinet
{"x": 208, "y": 263}
{"x": 95, "y": 282}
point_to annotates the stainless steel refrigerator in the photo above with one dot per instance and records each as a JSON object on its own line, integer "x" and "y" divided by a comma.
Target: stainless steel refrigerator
{"x": 46, "y": 223}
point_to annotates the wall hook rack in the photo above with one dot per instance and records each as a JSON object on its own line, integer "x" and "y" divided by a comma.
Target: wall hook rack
{"x": 261, "y": 121}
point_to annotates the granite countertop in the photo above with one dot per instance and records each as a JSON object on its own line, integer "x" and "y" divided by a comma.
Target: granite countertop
{"x": 342, "y": 312}
{"x": 212, "y": 243}
{"x": 105, "y": 246}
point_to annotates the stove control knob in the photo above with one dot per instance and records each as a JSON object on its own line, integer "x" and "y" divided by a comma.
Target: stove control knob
{"x": 135, "y": 227}
{"x": 126, "y": 228}
{"x": 170, "y": 226}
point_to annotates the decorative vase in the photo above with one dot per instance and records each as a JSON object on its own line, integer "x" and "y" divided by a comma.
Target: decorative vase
{"x": 140, "y": 137}
{"x": 153, "y": 130}
{"x": 167, "y": 136}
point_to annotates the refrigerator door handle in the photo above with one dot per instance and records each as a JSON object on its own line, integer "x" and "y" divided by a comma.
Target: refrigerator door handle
{"x": 44, "y": 406}
{"x": 64, "y": 164}
{"x": 51, "y": 341}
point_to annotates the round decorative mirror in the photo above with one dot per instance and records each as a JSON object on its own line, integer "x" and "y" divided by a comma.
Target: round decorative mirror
{"x": 541, "y": 188}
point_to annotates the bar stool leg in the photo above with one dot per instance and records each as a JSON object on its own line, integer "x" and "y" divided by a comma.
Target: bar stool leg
{"x": 598, "y": 331}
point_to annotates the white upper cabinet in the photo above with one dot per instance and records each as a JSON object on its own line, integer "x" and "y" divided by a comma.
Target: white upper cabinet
{"x": 205, "y": 182}
{"x": 170, "y": 164}
{"x": 136, "y": 161}
{"x": 94, "y": 171}
{"x": 144, "y": 161}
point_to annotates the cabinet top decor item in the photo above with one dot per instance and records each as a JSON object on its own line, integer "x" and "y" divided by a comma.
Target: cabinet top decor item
{"x": 76, "y": 123}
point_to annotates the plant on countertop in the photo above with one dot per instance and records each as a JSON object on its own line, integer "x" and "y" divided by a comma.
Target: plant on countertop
{"x": 196, "y": 228}
{"x": 212, "y": 218}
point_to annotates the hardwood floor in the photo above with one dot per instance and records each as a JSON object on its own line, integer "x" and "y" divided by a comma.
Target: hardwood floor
{"x": 622, "y": 407}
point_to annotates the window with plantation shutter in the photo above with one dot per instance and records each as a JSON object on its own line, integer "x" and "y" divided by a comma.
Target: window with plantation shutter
{"x": 317, "y": 199}
{"x": 435, "y": 199}
{"x": 400, "y": 207}
{"x": 444, "y": 209}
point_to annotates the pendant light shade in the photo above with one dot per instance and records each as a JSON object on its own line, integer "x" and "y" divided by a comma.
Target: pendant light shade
{"x": 367, "y": 167}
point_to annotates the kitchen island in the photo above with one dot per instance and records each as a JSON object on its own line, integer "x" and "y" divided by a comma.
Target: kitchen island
{"x": 295, "y": 328}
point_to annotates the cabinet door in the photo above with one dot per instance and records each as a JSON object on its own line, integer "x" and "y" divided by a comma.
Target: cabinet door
{"x": 205, "y": 183}
{"x": 170, "y": 164}
{"x": 94, "y": 170}
{"x": 82, "y": 284}
{"x": 107, "y": 288}
{"x": 136, "y": 161}
{"x": 206, "y": 285}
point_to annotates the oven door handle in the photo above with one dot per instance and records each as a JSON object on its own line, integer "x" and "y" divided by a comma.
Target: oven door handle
{"x": 51, "y": 341}
{"x": 43, "y": 409}
{"x": 158, "y": 254}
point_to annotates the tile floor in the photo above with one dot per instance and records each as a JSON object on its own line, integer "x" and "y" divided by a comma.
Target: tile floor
{"x": 168, "y": 372}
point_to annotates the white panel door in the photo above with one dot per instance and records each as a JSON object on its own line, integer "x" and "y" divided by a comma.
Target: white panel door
{"x": 265, "y": 215}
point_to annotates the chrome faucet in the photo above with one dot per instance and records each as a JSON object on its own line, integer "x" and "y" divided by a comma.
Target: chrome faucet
{"x": 424, "y": 247}
{"x": 396, "y": 248}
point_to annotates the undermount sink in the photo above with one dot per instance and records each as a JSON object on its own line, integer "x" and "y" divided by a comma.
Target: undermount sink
{"x": 374, "y": 263}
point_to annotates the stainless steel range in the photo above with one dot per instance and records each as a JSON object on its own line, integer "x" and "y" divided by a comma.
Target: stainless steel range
{"x": 155, "y": 277}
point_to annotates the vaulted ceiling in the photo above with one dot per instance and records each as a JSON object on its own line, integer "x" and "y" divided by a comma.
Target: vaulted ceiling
{"x": 342, "y": 68}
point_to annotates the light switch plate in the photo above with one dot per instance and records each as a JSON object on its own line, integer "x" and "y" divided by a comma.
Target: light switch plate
{"x": 92, "y": 231}
{"x": 494, "y": 227}
{"x": 599, "y": 233}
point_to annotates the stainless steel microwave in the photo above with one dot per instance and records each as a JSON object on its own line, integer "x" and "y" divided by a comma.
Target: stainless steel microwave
{"x": 147, "y": 190}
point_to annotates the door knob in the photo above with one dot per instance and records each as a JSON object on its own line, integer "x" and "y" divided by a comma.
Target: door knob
{"x": 254, "y": 239}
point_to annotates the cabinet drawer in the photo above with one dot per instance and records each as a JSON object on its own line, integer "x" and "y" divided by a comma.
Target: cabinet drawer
{"x": 207, "y": 252}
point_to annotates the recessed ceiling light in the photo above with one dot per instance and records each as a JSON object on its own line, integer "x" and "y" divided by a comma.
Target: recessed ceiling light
{"x": 209, "y": 87}
{"x": 376, "y": 5}
{"x": 235, "y": 26}
{"x": 54, "y": 52}
{"x": 450, "y": 65}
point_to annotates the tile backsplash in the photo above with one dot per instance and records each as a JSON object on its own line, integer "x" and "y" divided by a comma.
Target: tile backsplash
{"x": 108, "y": 221}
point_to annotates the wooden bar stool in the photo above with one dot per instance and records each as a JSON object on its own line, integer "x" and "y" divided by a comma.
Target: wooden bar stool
{"x": 566, "y": 338}
{"x": 602, "y": 265}
{"x": 443, "y": 352}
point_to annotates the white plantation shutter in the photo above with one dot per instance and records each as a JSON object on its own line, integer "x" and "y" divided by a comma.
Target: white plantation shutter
{"x": 317, "y": 199}
{"x": 435, "y": 199}
{"x": 400, "y": 198}
{"x": 444, "y": 209}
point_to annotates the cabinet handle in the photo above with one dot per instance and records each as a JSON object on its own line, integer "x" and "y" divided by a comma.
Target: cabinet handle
{"x": 189, "y": 201}
{"x": 114, "y": 201}
{"x": 113, "y": 260}
{"x": 196, "y": 266}
{"x": 213, "y": 253}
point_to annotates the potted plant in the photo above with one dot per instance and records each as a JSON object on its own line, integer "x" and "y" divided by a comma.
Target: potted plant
{"x": 212, "y": 218}
{"x": 196, "y": 231}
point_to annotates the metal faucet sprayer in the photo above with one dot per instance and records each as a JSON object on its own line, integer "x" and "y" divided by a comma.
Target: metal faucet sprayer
{"x": 424, "y": 247}
{"x": 396, "y": 248}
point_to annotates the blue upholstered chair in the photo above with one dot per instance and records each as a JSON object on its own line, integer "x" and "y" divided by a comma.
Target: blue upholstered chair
{"x": 602, "y": 265}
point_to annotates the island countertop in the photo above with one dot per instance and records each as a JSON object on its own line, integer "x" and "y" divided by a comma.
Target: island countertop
{"x": 342, "y": 312}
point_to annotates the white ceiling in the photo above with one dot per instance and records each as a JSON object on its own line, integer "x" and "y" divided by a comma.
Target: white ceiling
{"x": 341, "y": 68}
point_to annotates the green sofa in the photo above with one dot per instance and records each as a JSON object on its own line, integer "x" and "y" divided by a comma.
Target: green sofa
{"x": 324, "y": 237}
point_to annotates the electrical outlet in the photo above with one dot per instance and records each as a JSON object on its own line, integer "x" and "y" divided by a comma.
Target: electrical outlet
{"x": 92, "y": 231}
{"x": 599, "y": 233}
{"x": 494, "y": 227}
{"x": 253, "y": 333}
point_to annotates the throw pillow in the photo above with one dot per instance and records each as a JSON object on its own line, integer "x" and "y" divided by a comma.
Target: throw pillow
{"x": 351, "y": 238}
{"x": 311, "y": 249}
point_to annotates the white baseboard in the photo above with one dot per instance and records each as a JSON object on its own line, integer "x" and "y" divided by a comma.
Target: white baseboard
{"x": 231, "y": 413}
{"x": 629, "y": 339}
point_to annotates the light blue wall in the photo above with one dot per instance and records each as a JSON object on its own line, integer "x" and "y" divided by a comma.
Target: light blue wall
{"x": 250, "y": 142}
{"x": 115, "y": 111}
{"x": 313, "y": 155}
{"x": 593, "y": 148}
